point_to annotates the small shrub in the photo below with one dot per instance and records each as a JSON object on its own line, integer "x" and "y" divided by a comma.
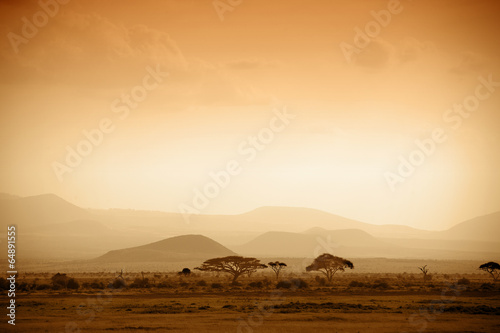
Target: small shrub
{"x": 320, "y": 280}
{"x": 59, "y": 281}
{"x": 356, "y": 284}
{"x": 97, "y": 285}
{"x": 73, "y": 284}
{"x": 284, "y": 285}
{"x": 295, "y": 283}
{"x": 201, "y": 283}
{"x": 23, "y": 286}
{"x": 378, "y": 284}
{"x": 118, "y": 283}
{"x": 299, "y": 283}
{"x": 463, "y": 281}
{"x": 255, "y": 284}
{"x": 487, "y": 286}
{"x": 216, "y": 286}
{"x": 4, "y": 284}
{"x": 43, "y": 286}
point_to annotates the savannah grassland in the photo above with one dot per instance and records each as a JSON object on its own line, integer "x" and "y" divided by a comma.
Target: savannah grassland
{"x": 204, "y": 302}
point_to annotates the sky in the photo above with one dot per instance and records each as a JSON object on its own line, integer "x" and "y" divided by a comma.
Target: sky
{"x": 380, "y": 111}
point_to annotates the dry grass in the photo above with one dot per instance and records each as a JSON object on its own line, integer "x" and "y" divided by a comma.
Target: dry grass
{"x": 169, "y": 303}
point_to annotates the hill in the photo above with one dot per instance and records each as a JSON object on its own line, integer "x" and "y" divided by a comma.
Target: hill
{"x": 179, "y": 248}
{"x": 39, "y": 210}
{"x": 482, "y": 228}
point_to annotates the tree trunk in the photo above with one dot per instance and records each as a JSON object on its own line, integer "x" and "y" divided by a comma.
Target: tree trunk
{"x": 235, "y": 276}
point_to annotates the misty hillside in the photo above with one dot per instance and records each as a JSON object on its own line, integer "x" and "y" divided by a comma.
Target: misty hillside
{"x": 39, "y": 210}
{"x": 314, "y": 242}
{"x": 303, "y": 218}
{"x": 482, "y": 228}
{"x": 49, "y": 227}
{"x": 180, "y": 248}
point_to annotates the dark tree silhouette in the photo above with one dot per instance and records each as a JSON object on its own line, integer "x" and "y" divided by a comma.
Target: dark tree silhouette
{"x": 234, "y": 265}
{"x": 329, "y": 264}
{"x": 60, "y": 280}
{"x": 185, "y": 272}
{"x": 277, "y": 267}
{"x": 493, "y": 268}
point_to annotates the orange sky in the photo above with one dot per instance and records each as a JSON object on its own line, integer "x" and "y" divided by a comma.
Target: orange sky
{"x": 353, "y": 119}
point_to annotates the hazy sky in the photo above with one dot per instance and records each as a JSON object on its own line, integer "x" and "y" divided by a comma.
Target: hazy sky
{"x": 359, "y": 101}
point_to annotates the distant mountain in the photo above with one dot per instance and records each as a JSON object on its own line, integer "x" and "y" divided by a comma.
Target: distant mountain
{"x": 357, "y": 243}
{"x": 180, "y": 248}
{"x": 39, "y": 210}
{"x": 482, "y": 228}
{"x": 50, "y": 227}
{"x": 348, "y": 237}
{"x": 312, "y": 243}
{"x": 297, "y": 219}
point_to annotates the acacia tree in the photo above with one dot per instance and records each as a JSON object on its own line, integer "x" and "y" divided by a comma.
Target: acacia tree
{"x": 277, "y": 267}
{"x": 493, "y": 268}
{"x": 234, "y": 265}
{"x": 329, "y": 264}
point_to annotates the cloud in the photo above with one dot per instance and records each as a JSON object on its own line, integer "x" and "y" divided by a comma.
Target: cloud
{"x": 88, "y": 49}
{"x": 92, "y": 51}
{"x": 381, "y": 53}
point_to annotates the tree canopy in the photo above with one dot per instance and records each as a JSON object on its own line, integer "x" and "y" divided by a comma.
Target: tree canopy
{"x": 493, "y": 268}
{"x": 234, "y": 265}
{"x": 329, "y": 264}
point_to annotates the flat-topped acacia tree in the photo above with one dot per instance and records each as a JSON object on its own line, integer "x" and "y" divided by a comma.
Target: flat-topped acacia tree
{"x": 234, "y": 265}
{"x": 493, "y": 268}
{"x": 329, "y": 264}
{"x": 277, "y": 266}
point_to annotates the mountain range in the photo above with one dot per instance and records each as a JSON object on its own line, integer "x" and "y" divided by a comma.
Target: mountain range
{"x": 51, "y": 228}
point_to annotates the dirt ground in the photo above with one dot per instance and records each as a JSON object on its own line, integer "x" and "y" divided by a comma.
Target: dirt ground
{"x": 257, "y": 311}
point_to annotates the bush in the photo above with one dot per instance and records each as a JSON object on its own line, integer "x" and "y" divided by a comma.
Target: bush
{"x": 295, "y": 283}
{"x": 356, "y": 284}
{"x": 463, "y": 281}
{"x": 164, "y": 285}
{"x": 320, "y": 280}
{"x": 284, "y": 285}
{"x": 59, "y": 281}
{"x": 299, "y": 283}
{"x": 216, "y": 285}
{"x": 23, "y": 286}
{"x": 73, "y": 284}
{"x": 43, "y": 286}
{"x": 97, "y": 285}
{"x": 255, "y": 284}
{"x": 201, "y": 283}
{"x": 487, "y": 286}
{"x": 380, "y": 285}
{"x": 118, "y": 283}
